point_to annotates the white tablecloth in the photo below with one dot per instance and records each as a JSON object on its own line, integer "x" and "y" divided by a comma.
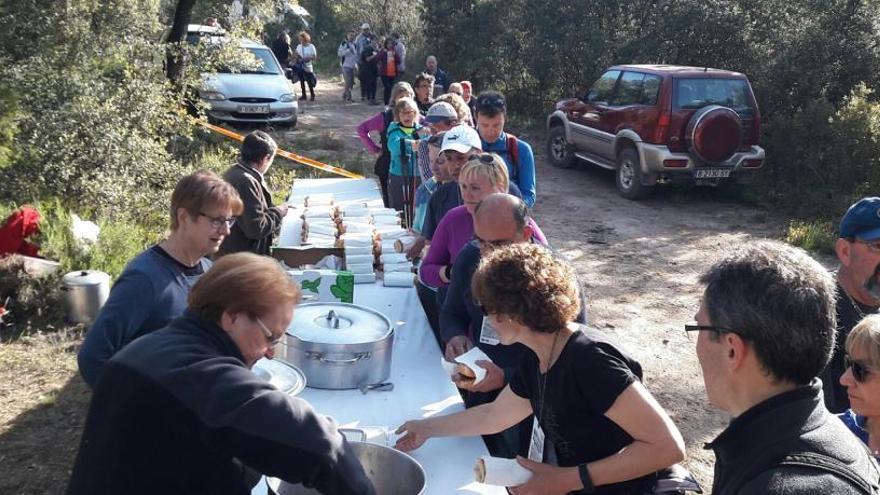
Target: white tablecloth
{"x": 421, "y": 387}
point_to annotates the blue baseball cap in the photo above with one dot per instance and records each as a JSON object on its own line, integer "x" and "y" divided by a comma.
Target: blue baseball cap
{"x": 862, "y": 220}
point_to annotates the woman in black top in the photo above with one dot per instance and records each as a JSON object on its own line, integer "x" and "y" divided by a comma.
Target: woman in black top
{"x": 602, "y": 430}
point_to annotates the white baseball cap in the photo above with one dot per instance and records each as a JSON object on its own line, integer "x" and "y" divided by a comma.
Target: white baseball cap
{"x": 440, "y": 111}
{"x": 461, "y": 138}
{"x": 365, "y": 26}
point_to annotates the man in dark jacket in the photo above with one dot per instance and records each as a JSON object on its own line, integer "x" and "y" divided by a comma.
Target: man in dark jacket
{"x": 255, "y": 228}
{"x": 179, "y": 411}
{"x": 858, "y": 288}
{"x": 766, "y": 329}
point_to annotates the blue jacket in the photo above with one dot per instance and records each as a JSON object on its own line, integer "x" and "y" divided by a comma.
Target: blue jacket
{"x": 525, "y": 175}
{"x": 406, "y": 162}
{"x": 150, "y": 292}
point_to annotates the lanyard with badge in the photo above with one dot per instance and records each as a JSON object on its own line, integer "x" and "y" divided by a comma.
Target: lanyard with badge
{"x": 488, "y": 335}
{"x": 536, "y": 444}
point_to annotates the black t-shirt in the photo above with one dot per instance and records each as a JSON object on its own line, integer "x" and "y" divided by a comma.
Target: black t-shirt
{"x": 836, "y": 399}
{"x": 189, "y": 271}
{"x": 589, "y": 375}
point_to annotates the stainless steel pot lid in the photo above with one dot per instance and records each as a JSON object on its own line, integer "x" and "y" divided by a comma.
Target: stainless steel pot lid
{"x": 338, "y": 323}
{"x": 283, "y": 376}
{"x": 85, "y": 278}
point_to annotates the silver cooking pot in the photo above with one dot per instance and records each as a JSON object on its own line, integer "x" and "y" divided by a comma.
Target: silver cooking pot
{"x": 390, "y": 470}
{"x": 86, "y": 291}
{"x": 339, "y": 345}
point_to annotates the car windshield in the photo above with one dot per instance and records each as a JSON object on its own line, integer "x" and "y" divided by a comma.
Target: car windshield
{"x": 265, "y": 64}
{"x": 698, "y": 93}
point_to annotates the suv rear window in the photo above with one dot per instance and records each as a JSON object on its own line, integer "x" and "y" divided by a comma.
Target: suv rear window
{"x": 697, "y": 93}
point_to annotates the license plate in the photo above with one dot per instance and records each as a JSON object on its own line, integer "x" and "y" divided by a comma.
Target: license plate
{"x": 715, "y": 173}
{"x": 253, "y": 109}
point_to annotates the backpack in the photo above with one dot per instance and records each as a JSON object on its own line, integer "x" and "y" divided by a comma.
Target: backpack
{"x": 819, "y": 462}
{"x": 513, "y": 153}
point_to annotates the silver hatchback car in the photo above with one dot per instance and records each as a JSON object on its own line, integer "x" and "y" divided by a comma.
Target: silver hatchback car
{"x": 259, "y": 95}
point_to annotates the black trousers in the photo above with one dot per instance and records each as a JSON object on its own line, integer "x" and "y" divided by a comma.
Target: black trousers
{"x": 308, "y": 77}
{"x": 368, "y": 85}
{"x": 388, "y": 83}
{"x": 428, "y": 298}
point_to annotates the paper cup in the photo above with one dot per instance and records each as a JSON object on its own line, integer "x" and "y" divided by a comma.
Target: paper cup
{"x": 397, "y": 267}
{"x": 393, "y": 258}
{"x": 399, "y": 279}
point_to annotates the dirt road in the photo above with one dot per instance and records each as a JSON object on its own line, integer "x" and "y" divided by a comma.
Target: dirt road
{"x": 640, "y": 262}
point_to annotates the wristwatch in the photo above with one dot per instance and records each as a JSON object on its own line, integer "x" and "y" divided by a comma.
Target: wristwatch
{"x": 586, "y": 480}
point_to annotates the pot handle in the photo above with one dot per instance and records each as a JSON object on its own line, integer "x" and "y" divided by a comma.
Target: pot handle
{"x": 357, "y": 357}
{"x": 353, "y": 431}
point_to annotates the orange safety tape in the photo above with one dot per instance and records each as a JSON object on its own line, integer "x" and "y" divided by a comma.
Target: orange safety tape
{"x": 286, "y": 154}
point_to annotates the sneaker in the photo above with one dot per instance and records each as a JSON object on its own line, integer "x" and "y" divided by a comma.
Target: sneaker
{"x": 303, "y": 97}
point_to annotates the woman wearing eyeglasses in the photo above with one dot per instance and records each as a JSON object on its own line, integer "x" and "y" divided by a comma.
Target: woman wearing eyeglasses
{"x": 596, "y": 428}
{"x": 180, "y": 411}
{"x": 481, "y": 176}
{"x": 153, "y": 288}
{"x": 863, "y": 383}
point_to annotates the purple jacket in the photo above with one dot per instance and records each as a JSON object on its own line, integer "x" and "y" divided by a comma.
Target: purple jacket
{"x": 455, "y": 230}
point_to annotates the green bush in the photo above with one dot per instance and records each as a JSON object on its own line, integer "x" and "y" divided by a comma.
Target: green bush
{"x": 821, "y": 159}
{"x": 817, "y": 236}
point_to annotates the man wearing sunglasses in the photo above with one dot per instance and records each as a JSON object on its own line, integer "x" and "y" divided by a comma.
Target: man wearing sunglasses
{"x": 255, "y": 228}
{"x": 499, "y": 220}
{"x": 765, "y": 330}
{"x": 517, "y": 154}
{"x": 858, "y": 287}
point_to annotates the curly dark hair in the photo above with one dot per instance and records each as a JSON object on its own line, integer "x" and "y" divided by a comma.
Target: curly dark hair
{"x": 527, "y": 283}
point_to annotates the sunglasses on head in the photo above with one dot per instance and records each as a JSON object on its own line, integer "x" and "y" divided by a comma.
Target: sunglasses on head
{"x": 860, "y": 370}
{"x": 486, "y": 158}
{"x": 490, "y": 101}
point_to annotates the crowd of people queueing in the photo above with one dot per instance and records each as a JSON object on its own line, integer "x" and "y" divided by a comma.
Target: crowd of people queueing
{"x": 176, "y": 408}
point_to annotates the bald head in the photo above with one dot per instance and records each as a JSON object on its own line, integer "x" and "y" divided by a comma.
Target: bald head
{"x": 502, "y": 218}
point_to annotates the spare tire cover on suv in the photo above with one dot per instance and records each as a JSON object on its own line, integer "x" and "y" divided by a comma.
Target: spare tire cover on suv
{"x": 714, "y": 133}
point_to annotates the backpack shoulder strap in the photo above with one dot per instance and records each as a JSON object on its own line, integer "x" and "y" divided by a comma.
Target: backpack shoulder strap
{"x": 513, "y": 153}
{"x": 815, "y": 461}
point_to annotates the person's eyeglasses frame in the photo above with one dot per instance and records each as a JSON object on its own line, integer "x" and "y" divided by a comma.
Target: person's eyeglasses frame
{"x": 218, "y": 222}
{"x": 873, "y": 245}
{"x": 271, "y": 339}
{"x": 709, "y": 328}
{"x": 860, "y": 371}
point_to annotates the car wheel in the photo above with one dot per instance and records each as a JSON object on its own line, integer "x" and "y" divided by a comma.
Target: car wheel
{"x": 629, "y": 175}
{"x": 558, "y": 149}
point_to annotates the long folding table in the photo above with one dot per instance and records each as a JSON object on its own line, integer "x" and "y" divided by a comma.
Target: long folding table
{"x": 421, "y": 387}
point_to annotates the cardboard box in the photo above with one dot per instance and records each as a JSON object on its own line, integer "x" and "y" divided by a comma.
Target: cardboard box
{"x": 327, "y": 285}
{"x": 297, "y": 256}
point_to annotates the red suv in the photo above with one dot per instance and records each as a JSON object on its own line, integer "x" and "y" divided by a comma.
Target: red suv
{"x": 658, "y": 123}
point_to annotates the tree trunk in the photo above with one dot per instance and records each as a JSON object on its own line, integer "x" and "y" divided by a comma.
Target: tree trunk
{"x": 173, "y": 61}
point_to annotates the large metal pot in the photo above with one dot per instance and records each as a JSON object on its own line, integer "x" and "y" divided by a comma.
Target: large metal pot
{"x": 390, "y": 470}
{"x": 339, "y": 345}
{"x": 86, "y": 291}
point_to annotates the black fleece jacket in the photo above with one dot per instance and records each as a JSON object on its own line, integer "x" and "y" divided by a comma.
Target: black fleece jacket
{"x": 177, "y": 411}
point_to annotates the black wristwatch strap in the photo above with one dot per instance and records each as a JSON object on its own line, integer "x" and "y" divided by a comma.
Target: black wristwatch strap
{"x": 585, "y": 479}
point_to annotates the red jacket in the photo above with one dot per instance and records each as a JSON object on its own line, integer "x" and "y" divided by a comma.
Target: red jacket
{"x": 21, "y": 224}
